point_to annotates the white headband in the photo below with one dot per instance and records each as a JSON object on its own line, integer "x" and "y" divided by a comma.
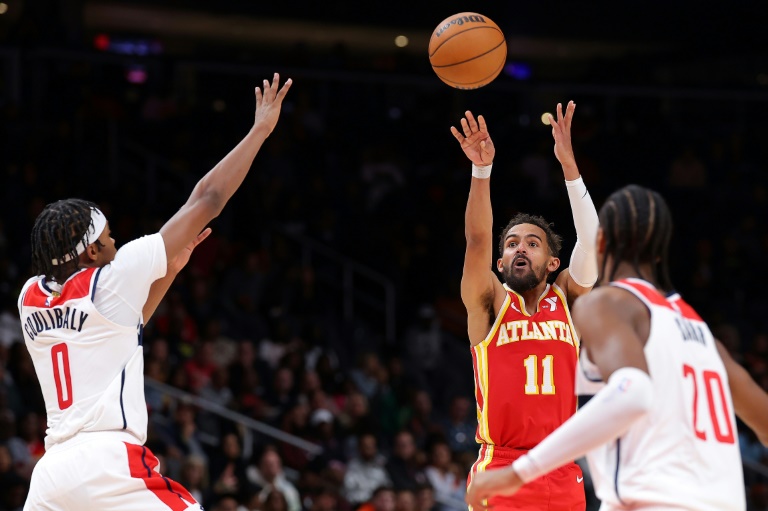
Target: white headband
{"x": 96, "y": 227}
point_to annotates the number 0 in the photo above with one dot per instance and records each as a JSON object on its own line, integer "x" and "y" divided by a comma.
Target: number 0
{"x": 60, "y": 360}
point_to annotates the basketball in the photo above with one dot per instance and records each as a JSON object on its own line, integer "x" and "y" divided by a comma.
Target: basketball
{"x": 467, "y": 50}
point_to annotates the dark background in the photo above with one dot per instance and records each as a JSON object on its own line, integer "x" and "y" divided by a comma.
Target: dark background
{"x": 128, "y": 104}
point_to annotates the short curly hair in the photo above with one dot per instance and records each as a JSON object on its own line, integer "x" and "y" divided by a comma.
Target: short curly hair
{"x": 554, "y": 240}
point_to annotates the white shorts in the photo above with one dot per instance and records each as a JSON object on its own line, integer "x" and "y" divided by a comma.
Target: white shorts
{"x": 103, "y": 471}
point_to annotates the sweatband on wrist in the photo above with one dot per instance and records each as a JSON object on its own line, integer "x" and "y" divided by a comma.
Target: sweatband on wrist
{"x": 483, "y": 172}
{"x": 626, "y": 398}
{"x": 583, "y": 265}
{"x": 95, "y": 228}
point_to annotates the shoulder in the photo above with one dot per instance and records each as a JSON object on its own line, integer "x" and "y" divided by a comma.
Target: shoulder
{"x": 608, "y": 300}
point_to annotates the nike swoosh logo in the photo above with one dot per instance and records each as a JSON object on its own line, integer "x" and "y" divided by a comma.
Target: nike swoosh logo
{"x": 579, "y": 479}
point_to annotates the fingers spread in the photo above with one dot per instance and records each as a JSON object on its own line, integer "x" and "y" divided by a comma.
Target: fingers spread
{"x": 483, "y": 126}
{"x": 472, "y": 122}
{"x": 284, "y": 90}
{"x": 259, "y": 97}
{"x": 465, "y": 128}
{"x": 559, "y": 112}
{"x": 456, "y": 134}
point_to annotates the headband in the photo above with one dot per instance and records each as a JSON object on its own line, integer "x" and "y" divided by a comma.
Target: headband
{"x": 95, "y": 228}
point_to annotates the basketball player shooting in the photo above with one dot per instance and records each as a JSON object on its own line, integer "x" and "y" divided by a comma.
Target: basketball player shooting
{"x": 82, "y": 317}
{"x": 660, "y": 433}
{"x": 524, "y": 344}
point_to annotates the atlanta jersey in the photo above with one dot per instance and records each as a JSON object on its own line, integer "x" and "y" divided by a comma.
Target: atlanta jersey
{"x": 525, "y": 371}
{"x": 91, "y": 367}
{"x": 685, "y": 453}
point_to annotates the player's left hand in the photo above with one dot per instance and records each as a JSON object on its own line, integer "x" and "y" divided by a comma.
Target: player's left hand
{"x": 491, "y": 483}
{"x": 180, "y": 261}
{"x": 561, "y": 132}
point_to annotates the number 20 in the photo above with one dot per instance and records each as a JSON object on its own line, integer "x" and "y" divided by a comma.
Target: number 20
{"x": 710, "y": 377}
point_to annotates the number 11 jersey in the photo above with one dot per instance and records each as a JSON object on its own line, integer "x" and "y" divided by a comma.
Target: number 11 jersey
{"x": 525, "y": 372}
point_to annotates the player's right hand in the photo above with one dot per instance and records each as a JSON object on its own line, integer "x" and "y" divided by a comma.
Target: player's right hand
{"x": 475, "y": 141}
{"x": 269, "y": 101}
{"x": 561, "y": 132}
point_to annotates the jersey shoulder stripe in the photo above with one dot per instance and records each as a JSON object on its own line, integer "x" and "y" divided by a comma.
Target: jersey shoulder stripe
{"x": 79, "y": 286}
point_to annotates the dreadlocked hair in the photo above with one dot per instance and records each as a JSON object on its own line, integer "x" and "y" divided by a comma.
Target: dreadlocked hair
{"x": 57, "y": 231}
{"x": 637, "y": 227}
{"x": 554, "y": 241}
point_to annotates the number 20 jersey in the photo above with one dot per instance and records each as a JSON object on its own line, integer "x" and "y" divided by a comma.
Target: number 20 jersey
{"x": 525, "y": 372}
{"x": 684, "y": 454}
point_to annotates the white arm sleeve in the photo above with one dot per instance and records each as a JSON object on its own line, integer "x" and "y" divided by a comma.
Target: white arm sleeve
{"x": 123, "y": 285}
{"x": 626, "y": 398}
{"x": 583, "y": 267}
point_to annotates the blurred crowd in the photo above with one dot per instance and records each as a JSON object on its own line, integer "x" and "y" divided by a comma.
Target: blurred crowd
{"x": 369, "y": 169}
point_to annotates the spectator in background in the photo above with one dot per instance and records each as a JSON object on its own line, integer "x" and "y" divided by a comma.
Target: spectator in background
{"x": 194, "y": 477}
{"x": 443, "y": 475}
{"x": 405, "y": 500}
{"x": 274, "y": 501}
{"x": 365, "y": 376}
{"x": 365, "y": 472}
{"x": 200, "y": 368}
{"x": 460, "y": 426}
{"x": 425, "y": 499}
{"x": 283, "y": 394}
{"x": 226, "y": 503}
{"x": 382, "y": 499}
{"x": 269, "y": 476}
{"x": 404, "y": 467}
{"x": 228, "y": 469}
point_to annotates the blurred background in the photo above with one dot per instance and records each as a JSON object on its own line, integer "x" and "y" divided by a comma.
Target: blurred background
{"x": 313, "y": 354}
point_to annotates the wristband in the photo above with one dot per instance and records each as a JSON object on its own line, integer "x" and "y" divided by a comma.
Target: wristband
{"x": 483, "y": 172}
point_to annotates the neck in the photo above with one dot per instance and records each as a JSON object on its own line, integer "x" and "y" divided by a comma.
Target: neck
{"x": 532, "y": 296}
{"x": 626, "y": 270}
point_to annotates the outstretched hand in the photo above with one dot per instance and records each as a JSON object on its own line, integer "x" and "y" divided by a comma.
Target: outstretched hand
{"x": 180, "y": 261}
{"x": 561, "y": 132}
{"x": 475, "y": 142}
{"x": 269, "y": 101}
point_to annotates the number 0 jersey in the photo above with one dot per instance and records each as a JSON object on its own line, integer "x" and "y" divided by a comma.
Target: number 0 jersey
{"x": 525, "y": 371}
{"x": 90, "y": 368}
{"x": 685, "y": 453}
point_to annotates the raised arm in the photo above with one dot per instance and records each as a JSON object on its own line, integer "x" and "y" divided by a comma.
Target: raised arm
{"x": 581, "y": 274}
{"x": 480, "y": 288}
{"x": 750, "y": 402}
{"x": 161, "y": 286}
{"x": 216, "y": 188}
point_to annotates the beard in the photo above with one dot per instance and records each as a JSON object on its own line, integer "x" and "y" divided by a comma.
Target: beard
{"x": 520, "y": 283}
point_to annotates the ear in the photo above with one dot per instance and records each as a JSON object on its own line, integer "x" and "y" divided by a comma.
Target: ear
{"x": 92, "y": 252}
{"x": 600, "y": 241}
{"x": 553, "y": 264}
{"x": 499, "y": 265}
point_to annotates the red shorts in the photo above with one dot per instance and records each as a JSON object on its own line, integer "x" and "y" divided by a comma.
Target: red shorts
{"x": 560, "y": 490}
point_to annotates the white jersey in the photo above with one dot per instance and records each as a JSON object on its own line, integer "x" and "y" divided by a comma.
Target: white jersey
{"x": 85, "y": 343}
{"x": 685, "y": 453}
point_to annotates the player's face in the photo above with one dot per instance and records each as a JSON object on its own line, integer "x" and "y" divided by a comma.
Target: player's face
{"x": 107, "y": 249}
{"x": 526, "y": 262}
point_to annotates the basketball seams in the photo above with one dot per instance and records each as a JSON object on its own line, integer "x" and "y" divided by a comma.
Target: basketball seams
{"x": 503, "y": 41}
{"x": 460, "y": 85}
{"x": 464, "y": 32}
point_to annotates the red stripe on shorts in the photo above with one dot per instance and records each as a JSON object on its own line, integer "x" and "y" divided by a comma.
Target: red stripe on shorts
{"x": 142, "y": 464}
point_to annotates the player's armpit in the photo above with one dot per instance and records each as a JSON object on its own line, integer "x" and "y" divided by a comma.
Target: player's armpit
{"x": 750, "y": 402}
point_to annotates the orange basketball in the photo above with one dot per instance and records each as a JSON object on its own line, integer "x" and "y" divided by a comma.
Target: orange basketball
{"x": 467, "y": 50}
